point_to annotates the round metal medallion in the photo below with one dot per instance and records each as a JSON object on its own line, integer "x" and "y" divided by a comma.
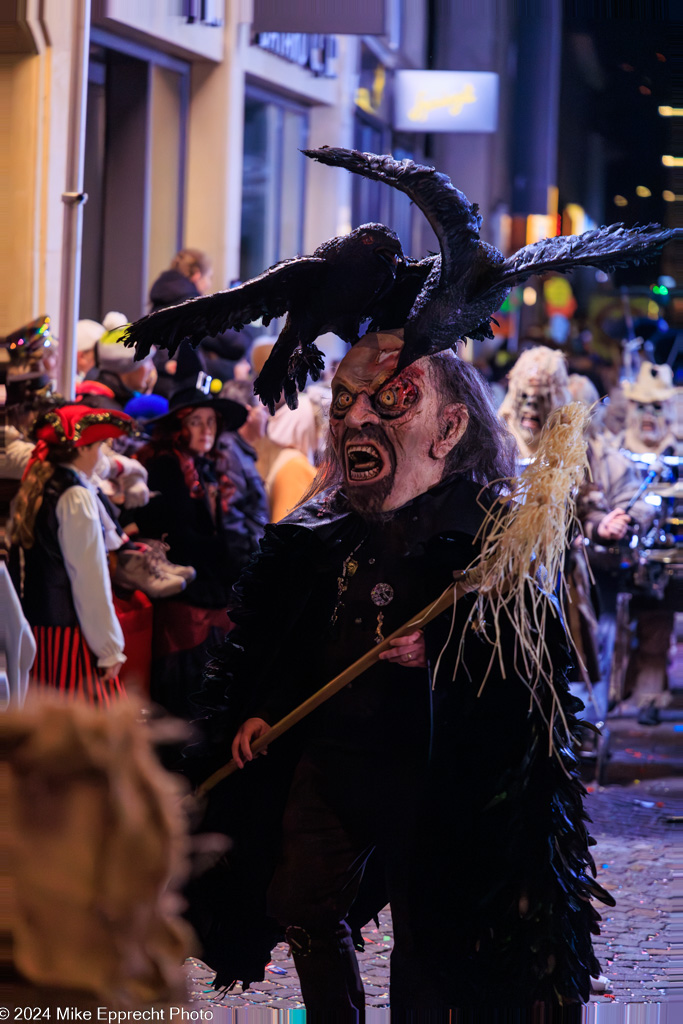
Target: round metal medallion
{"x": 381, "y": 594}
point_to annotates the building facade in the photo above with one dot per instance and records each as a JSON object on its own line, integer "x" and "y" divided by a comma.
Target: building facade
{"x": 186, "y": 130}
{"x": 185, "y": 120}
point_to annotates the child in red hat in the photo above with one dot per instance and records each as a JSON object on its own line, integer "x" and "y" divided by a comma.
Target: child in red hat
{"x": 58, "y": 557}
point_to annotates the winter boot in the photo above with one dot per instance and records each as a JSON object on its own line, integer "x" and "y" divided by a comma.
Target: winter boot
{"x": 133, "y": 571}
{"x": 157, "y": 556}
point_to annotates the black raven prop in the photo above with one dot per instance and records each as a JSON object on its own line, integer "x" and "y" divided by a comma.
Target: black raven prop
{"x": 335, "y": 289}
{"x": 453, "y": 295}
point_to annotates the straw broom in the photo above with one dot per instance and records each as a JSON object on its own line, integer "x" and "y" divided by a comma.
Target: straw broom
{"x": 522, "y": 532}
{"x": 524, "y": 542}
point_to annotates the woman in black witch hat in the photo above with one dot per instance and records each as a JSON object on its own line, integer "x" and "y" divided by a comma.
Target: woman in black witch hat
{"x": 188, "y": 513}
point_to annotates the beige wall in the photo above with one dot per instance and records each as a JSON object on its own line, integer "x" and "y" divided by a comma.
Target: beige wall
{"x": 35, "y": 95}
{"x": 152, "y": 21}
{"x": 34, "y": 139}
{"x": 164, "y": 170}
{"x": 214, "y": 157}
{"x": 328, "y": 189}
{"x": 214, "y": 188}
{"x": 19, "y": 90}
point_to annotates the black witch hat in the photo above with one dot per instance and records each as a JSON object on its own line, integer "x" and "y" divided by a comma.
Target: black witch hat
{"x": 193, "y": 391}
{"x": 189, "y": 396}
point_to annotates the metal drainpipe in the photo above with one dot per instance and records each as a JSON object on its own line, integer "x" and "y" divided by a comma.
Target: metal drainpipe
{"x": 73, "y": 199}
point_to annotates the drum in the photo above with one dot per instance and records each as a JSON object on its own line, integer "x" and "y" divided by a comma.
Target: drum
{"x": 660, "y": 574}
{"x": 673, "y": 526}
{"x": 672, "y": 491}
{"x": 671, "y": 558}
{"x": 619, "y": 560}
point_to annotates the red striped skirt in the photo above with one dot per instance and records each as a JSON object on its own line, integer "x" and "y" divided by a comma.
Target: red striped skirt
{"x": 64, "y": 662}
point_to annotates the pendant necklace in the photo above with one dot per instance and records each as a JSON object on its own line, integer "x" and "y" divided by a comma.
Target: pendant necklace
{"x": 349, "y": 569}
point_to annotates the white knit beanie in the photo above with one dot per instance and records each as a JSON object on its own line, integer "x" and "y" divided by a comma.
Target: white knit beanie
{"x": 114, "y": 320}
{"x": 88, "y": 333}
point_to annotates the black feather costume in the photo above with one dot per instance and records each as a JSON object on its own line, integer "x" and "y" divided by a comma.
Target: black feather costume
{"x": 502, "y": 871}
{"x": 503, "y": 858}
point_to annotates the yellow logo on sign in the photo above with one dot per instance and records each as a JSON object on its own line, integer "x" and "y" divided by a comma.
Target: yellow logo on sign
{"x": 455, "y": 102}
{"x": 372, "y": 101}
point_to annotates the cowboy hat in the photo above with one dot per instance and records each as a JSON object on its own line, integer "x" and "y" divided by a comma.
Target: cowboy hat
{"x": 654, "y": 384}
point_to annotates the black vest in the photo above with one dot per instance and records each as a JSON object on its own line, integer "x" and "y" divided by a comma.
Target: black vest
{"x": 47, "y": 599}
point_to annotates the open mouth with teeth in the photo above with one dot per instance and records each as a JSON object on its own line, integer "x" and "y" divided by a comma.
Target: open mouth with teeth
{"x": 363, "y": 462}
{"x": 531, "y": 422}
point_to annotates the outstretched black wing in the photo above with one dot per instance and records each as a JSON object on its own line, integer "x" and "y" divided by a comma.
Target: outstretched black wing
{"x": 454, "y": 219}
{"x": 268, "y": 296}
{"x": 606, "y": 247}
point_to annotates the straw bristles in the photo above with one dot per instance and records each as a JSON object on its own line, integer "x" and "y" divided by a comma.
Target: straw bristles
{"x": 524, "y": 541}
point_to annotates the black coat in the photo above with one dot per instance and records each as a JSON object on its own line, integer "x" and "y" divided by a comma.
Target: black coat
{"x": 217, "y": 354}
{"x": 247, "y": 514}
{"x": 44, "y": 584}
{"x": 193, "y": 530}
{"x": 496, "y": 809}
{"x": 170, "y": 288}
{"x": 121, "y": 394}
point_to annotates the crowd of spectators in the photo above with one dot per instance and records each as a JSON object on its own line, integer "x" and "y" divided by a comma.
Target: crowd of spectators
{"x": 129, "y": 512}
{"x": 144, "y": 526}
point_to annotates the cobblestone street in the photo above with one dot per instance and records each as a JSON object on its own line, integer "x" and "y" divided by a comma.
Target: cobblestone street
{"x": 637, "y": 818}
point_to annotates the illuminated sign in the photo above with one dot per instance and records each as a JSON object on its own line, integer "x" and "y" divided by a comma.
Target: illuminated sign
{"x": 370, "y": 99}
{"x": 314, "y": 52}
{"x": 446, "y": 101}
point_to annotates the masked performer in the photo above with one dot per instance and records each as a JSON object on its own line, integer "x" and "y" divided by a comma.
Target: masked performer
{"x": 651, "y": 413}
{"x": 59, "y": 560}
{"x": 650, "y": 421}
{"x": 416, "y": 456}
{"x": 399, "y": 511}
{"x": 539, "y": 384}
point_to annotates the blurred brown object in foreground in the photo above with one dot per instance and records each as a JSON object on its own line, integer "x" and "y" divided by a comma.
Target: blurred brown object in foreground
{"x": 96, "y": 849}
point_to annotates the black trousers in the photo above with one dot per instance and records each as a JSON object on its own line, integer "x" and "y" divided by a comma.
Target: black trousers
{"x": 343, "y": 807}
{"x": 343, "y": 804}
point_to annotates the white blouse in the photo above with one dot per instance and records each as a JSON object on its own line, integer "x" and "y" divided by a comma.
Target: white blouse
{"x": 79, "y": 514}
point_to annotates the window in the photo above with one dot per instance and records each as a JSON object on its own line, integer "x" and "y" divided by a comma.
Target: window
{"x": 372, "y": 200}
{"x": 134, "y": 172}
{"x": 272, "y": 181}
